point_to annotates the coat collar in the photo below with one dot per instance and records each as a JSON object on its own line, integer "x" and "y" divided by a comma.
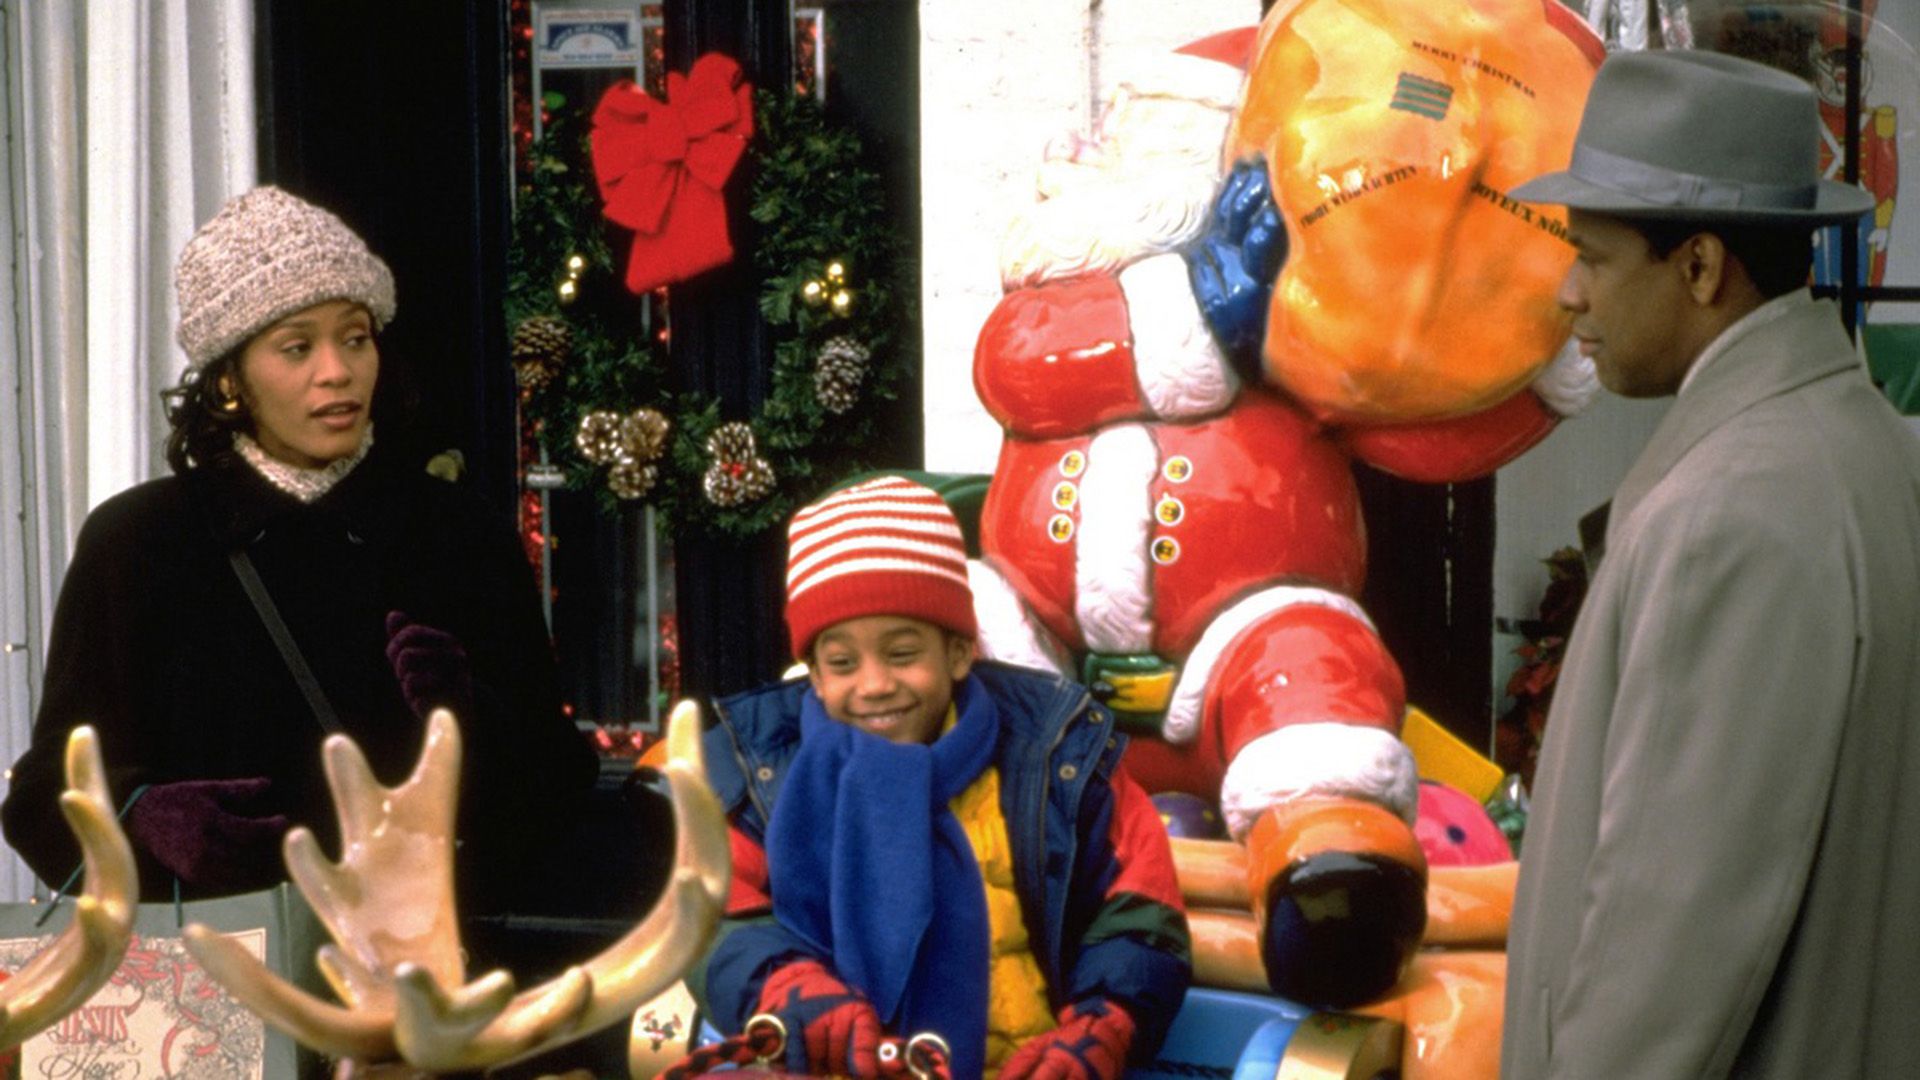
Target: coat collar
{"x": 1803, "y": 345}
{"x": 239, "y": 504}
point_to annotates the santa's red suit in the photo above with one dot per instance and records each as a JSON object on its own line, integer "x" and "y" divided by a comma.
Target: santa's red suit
{"x": 1207, "y": 543}
{"x": 1188, "y": 543}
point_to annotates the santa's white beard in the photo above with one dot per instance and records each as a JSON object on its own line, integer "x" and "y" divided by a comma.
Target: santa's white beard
{"x": 1106, "y": 224}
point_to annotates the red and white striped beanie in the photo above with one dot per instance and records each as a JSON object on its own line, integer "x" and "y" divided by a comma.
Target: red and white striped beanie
{"x": 887, "y": 546}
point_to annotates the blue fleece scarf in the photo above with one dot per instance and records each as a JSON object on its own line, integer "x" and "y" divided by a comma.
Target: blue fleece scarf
{"x": 865, "y": 857}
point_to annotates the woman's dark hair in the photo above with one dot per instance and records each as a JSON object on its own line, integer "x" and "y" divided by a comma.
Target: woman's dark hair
{"x": 1776, "y": 257}
{"x": 200, "y": 431}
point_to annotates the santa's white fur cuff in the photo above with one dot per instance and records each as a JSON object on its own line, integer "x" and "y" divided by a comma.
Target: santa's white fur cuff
{"x": 1331, "y": 759}
{"x": 1569, "y": 384}
{"x": 1008, "y": 632}
{"x": 1181, "y": 371}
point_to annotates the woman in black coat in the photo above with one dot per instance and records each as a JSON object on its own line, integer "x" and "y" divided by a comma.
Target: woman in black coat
{"x": 400, "y": 591}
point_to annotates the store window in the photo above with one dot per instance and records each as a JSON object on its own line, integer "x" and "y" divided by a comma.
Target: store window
{"x": 1860, "y": 57}
{"x": 604, "y": 569}
{"x": 601, "y": 379}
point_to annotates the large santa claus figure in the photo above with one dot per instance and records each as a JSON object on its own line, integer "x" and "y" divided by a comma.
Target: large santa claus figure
{"x": 1278, "y": 252}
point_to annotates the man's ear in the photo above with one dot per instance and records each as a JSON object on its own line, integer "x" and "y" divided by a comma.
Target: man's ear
{"x": 1702, "y": 262}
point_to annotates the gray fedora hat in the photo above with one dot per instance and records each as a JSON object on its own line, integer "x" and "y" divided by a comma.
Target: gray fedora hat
{"x": 1698, "y": 136}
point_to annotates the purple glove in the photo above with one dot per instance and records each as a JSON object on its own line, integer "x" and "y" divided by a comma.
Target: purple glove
{"x": 432, "y": 667}
{"x": 202, "y": 831}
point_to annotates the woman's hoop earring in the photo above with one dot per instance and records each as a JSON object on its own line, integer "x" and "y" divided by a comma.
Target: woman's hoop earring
{"x": 229, "y": 401}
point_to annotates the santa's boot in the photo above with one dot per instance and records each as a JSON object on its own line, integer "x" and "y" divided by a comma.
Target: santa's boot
{"x": 1339, "y": 894}
{"x": 1307, "y": 703}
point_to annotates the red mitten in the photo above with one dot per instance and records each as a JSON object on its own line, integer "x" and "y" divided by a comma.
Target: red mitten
{"x": 831, "y": 1028}
{"x": 1090, "y": 1044}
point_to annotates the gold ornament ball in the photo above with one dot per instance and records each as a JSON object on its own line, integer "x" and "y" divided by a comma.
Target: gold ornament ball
{"x": 842, "y": 300}
{"x": 575, "y": 264}
{"x": 568, "y": 290}
{"x": 811, "y": 290}
{"x": 836, "y": 271}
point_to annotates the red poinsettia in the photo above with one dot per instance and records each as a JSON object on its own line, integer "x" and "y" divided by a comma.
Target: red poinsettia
{"x": 1521, "y": 727}
{"x": 661, "y": 166}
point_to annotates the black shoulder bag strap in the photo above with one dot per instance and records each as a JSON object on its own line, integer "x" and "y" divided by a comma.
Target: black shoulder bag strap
{"x": 283, "y": 638}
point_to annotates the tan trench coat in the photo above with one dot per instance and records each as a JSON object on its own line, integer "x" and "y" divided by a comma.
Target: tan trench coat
{"x": 1722, "y": 871}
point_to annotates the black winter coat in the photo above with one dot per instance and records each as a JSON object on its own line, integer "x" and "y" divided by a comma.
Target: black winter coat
{"x": 156, "y": 644}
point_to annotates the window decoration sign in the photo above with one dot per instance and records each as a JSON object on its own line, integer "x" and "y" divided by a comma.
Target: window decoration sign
{"x": 587, "y": 37}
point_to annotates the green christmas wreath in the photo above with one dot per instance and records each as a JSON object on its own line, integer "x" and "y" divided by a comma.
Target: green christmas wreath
{"x": 591, "y": 358}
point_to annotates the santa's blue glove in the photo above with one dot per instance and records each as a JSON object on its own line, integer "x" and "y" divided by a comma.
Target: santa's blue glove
{"x": 1233, "y": 264}
{"x": 432, "y": 668}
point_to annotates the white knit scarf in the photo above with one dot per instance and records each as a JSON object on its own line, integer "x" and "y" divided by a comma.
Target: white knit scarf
{"x": 303, "y": 484}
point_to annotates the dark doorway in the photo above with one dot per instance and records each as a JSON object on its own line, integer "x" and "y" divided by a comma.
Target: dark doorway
{"x": 394, "y": 117}
{"x": 1430, "y": 591}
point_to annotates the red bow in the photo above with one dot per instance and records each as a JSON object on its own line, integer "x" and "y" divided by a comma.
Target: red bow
{"x": 661, "y": 166}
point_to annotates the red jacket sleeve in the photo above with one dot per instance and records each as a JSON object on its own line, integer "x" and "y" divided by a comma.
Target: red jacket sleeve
{"x": 1140, "y": 846}
{"x": 748, "y": 894}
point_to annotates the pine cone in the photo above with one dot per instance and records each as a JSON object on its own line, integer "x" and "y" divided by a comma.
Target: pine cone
{"x": 541, "y": 344}
{"x": 643, "y": 434}
{"x": 838, "y": 370}
{"x": 630, "y": 479}
{"x": 736, "y": 484}
{"x": 723, "y": 489}
{"x": 598, "y": 438}
{"x": 738, "y": 474}
{"x": 732, "y": 441}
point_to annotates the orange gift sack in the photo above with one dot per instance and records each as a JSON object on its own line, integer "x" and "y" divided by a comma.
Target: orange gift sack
{"x": 1414, "y": 288}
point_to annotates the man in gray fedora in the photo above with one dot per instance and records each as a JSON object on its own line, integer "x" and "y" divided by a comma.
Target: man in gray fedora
{"x": 1721, "y": 874}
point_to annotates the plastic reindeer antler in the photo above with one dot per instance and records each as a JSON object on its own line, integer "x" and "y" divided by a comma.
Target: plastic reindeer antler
{"x": 65, "y": 974}
{"x": 389, "y": 907}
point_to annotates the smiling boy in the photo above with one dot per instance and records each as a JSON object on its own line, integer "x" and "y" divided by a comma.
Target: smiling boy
{"x": 889, "y": 676}
{"x": 924, "y": 842}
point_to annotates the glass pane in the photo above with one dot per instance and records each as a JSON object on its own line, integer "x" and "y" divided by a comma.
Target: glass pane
{"x": 1892, "y": 339}
{"x": 810, "y": 52}
{"x": 606, "y": 575}
{"x": 1814, "y": 41}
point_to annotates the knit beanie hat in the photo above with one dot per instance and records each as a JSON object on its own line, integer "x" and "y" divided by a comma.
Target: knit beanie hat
{"x": 264, "y": 256}
{"x": 887, "y": 546}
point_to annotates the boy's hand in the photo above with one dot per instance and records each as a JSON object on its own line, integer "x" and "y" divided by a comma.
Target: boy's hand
{"x": 1090, "y": 1044}
{"x": 831, "y": 1028}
